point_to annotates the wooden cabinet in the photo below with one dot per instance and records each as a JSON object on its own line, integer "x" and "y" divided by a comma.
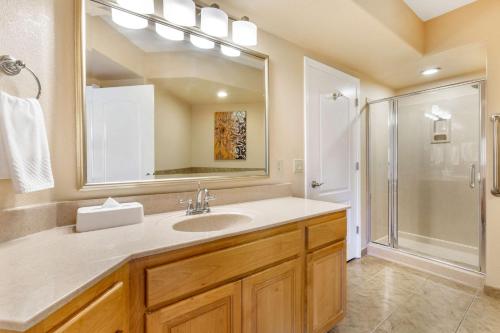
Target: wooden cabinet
{"x": 272, "y": 300}
{"x": 106, "y": 314}
{"x": 216, "y": 311}
{"x": 326, "y": 287}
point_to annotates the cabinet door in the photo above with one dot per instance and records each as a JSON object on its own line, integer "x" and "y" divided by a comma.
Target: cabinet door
{"x": 107, "y": 314}
{"x": 272, "y": 300}
{"x": 326, "y": 287}
{"x": 216, "y": 311}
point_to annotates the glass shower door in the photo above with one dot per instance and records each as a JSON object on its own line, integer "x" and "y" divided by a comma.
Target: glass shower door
{"x": 438, "y": 174}
{"x": 379, "y": 161}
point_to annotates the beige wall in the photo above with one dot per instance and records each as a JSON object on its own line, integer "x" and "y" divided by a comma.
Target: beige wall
{"x": 173, "y": 129}
{"x": 399, "y": 18}
{"x": 202, "y": 144}
{"x": 42, "y": 34}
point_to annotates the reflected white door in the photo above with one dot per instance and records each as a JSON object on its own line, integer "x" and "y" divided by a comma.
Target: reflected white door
{"x": 332, "y": 143}
{"x": 120, "y": 133}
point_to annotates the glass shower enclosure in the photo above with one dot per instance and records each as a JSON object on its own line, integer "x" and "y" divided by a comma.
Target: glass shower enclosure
{"x": 425, "y": 178}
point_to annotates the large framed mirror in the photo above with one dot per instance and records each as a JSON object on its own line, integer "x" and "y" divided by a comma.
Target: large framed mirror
{"x": 155, "y": 106}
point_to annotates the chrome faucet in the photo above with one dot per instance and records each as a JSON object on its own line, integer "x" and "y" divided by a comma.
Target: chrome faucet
{"x": 201, "y": 206}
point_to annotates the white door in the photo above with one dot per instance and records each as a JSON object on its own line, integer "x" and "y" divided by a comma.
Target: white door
{"x": 332, "y": 143}
{"x": 120, "y": 133}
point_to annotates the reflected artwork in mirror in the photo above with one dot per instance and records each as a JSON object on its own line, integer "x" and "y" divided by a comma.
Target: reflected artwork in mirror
{"x": 163, "y": 102}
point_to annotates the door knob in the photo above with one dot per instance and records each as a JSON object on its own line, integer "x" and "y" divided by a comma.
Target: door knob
{"x": 315, "y": 184}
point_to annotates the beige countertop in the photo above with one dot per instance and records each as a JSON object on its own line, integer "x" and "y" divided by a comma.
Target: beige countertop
{"x": 42, "y": 272}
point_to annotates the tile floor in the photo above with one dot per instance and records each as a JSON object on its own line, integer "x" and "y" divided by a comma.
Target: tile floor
{"x": 386, "y": 297}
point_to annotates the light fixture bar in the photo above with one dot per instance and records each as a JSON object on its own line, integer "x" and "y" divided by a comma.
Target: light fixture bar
{"x": 190, "y": 30}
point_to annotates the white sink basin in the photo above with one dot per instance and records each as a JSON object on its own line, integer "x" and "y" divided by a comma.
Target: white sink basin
{"x": 212, "y": 222}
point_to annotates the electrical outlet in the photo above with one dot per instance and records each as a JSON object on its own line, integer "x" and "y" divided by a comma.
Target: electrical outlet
{"x": 298, "y": 166}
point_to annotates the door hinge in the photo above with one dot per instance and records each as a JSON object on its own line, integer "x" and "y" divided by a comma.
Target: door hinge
{"x": 357, "y": 102}
{"x": 357, "y": 166}
{"x": 357, "y": 230}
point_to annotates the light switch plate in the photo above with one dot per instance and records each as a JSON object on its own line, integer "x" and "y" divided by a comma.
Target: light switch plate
{"x": 298, "y": 166}
{"x": 279, "y": 166}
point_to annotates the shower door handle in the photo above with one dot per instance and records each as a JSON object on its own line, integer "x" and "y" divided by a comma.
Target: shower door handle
{"x": 472, "y": 176}
{"x": 496, "y": 171}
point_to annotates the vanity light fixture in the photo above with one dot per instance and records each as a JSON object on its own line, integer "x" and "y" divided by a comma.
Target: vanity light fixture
{"x": 138, "y": 6}
{"x": 130, "y": 21}
{"x": 201, "y": 42}
{"x": 214, "y": 21}
{"x": 222, "y": 94}
{"x": 180, "y": 12}
{"x": 431, "y": 71}
{"x": 230, "y": 51}
{"x": 127, "y": 20}
{"x": 244, "y": 32}
{"x": 168, "y": 32}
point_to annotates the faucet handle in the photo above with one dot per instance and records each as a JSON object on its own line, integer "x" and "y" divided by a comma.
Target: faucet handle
{"x": 209, "y": 197}
{"x": 189, "y": 203}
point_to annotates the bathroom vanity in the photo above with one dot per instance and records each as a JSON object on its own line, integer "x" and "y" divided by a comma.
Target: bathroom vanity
{"x": 285, "y": 271}
{"x": 265, "y": 266}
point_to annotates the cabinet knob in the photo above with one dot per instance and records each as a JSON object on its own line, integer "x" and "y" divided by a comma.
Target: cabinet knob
{"x": 119, "y": 331}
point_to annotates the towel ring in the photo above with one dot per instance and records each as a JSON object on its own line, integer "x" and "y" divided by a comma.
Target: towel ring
{"x": 11, "y": 67}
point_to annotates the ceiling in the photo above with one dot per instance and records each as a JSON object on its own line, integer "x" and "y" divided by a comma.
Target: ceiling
{"x": 196, "y": 91}
{"x": 191, "y": 90}
{"x": 386, "y": 43}
{"x": 429, "y": 9}
{"x": 102, "y": 68}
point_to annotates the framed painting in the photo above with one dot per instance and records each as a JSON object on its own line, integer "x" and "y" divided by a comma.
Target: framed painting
{"x": 230, "y": 137}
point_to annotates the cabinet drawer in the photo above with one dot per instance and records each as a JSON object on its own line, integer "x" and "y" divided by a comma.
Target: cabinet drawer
{"x": 174, "y": 280}
{"x": 216, "y": 311}
{"x": 106, "y": 314}
{"x": 326, "y": 232}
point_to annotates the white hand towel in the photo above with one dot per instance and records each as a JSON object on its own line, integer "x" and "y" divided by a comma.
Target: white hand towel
{"x": 24, "y": 141}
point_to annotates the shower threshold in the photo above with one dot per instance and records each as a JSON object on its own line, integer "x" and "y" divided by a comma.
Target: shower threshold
{"x": 459, "y": 272}
{"x": 459, "y": 254}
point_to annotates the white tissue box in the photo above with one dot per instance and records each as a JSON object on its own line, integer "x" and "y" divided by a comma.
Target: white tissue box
{"x": 99, "y": 217}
